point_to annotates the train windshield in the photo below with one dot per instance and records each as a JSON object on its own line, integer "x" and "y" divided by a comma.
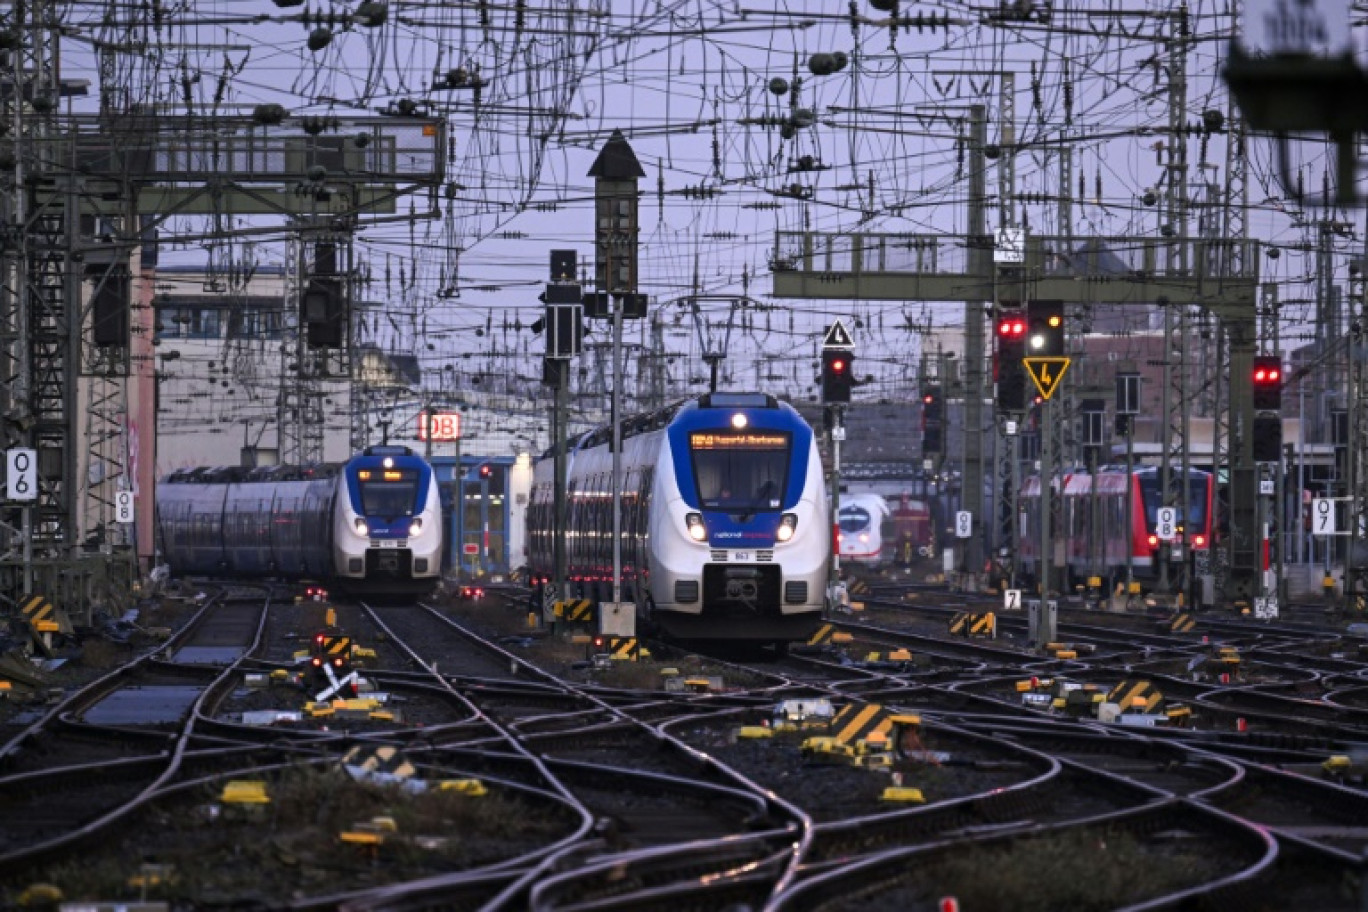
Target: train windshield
{"x": 1197, "y": 500}
{"x": 740, "y": 471}
{"x": 854, "y": 519}
{"x": 388, "y": 492}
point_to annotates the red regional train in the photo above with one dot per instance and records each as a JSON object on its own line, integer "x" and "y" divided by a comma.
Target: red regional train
{"x": 1086, "y": 550}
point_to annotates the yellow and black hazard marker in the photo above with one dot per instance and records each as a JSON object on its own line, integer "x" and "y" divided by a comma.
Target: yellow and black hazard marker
{"x": 379, "y": 761}
{"x": 623, "y": 648}
{"x": 870, "y": 726}
{"x": 575, "y": 611}
{"x": 962, "y": 623}
{"x": 332, "y": 649}
{"x": 45, "y": 619}
{"x": 823, "y": 635}
{"x": 1183, "y": 623}
{"x": 1136, "y": 696}
{"x": 857, "y": 587}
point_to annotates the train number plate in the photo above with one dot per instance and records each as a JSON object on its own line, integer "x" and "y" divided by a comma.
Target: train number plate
{"x": 388, "y": 543}
{"x": 740, "y": 557}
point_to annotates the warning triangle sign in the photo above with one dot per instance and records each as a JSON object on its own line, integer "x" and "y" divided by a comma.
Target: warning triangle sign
{"x": 1047, "y": 372}
{"x": 837, "y": 336}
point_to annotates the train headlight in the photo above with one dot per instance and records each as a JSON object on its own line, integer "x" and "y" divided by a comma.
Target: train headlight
{"x": 864, "y": 538}
{"x": 361, "y": 528}
{"x": 788, "y": 524}
{"x": 416, "y": 527}
{"x": 697, "y": 531}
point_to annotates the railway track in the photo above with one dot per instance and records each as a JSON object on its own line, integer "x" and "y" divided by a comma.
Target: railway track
{"x": 622, "y": 787}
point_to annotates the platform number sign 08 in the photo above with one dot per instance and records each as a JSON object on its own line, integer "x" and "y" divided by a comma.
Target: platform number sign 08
{"x": 21, "y": 474}
{"x": 964, "y": 524}
{"x": 1166, "y": 526}
{"x": 1323, "y": 516}
{"x": 123, "y": 507}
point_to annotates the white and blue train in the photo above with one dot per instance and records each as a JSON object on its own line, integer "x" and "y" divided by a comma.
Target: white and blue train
{"x": 371, "y": 526}
{"x": 726, "y": 529}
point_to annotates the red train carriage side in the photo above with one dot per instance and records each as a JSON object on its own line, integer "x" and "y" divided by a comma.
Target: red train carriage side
{"x": 1092, "y": 536}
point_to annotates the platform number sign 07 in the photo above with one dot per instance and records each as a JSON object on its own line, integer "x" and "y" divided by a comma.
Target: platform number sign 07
{"x": 21, "y": 474}
{"x": 964, "y": 524}
{"x": 1323, "y": 516}
{"x": 1011, "y": 600}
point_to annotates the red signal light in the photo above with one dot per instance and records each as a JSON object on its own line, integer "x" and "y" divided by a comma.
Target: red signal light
{"x": 1012, "y": 327}
{"x": 838, "y": 366}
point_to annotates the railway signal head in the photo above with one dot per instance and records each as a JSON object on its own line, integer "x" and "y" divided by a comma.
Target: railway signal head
{"x": 1045, "y": 330}
{"x": 837, "y": 375}
{"x": 1011, "y": 373}
{"x": 1267, "y": 381}
{"x": 933, "y": 417}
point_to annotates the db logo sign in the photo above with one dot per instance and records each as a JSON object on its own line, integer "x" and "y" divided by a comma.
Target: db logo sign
{"x": 439, "y": 425}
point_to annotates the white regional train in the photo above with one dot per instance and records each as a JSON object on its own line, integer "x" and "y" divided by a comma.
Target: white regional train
{"x": 859, "y": 523}
{"x": 372, "y": 525}
{"x": 726, "y": 531}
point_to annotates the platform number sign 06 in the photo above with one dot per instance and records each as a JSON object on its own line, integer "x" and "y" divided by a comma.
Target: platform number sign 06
{"x": 964, "y": 524}
{"x": 1166, "y": 526}
{"x": 21, "y": 474}
{"x": 1323, "y": 516}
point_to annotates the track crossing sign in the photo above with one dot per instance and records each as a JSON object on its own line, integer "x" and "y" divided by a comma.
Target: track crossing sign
{"x": 1323, "y": 516}
{"x": 837, "y": 336}
{"x": 1047, "y": 372}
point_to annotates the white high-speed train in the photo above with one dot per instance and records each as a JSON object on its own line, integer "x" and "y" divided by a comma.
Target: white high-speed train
{"x": 859, "y": 523}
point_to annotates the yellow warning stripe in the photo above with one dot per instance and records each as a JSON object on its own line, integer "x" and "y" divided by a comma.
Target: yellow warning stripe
{"x": 821, "y": 636}
{"x": 1130, "y": 694}
{"x": 868, "y": 723}
{"x": 38, "y": 609}
{"x": 574, "y": 610}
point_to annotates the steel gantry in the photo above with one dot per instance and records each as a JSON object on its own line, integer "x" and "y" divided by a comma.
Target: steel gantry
{"x": 915, "y": 267}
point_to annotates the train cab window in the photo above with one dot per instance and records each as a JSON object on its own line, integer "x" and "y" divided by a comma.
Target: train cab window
{"x": 389, "y": 492}
{"x": 740, "y": 471}
{"x": 1197, "y": 499}
{"x": 854, "y": 519}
